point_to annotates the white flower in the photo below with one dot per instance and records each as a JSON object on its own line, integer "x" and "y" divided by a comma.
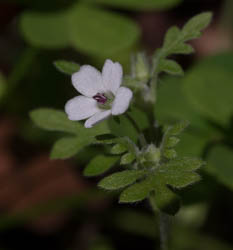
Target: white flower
{"x": 101, "y": 96}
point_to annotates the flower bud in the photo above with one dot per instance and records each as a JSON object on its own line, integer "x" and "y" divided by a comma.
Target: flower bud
{"x": 152, "y": 154}
{"x": 140, "y": 68}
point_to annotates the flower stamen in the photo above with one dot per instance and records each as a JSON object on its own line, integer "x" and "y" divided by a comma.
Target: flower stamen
{"x": 100, "y": 98}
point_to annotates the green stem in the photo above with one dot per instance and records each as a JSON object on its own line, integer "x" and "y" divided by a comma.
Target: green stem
{"x": 164, "y": 225}
{"x": 154, "y": 77}
{"x": 142, "y": 138}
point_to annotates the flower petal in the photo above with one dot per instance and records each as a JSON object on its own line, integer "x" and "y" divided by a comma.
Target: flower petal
{"x": 81, "y": 107}
{"x": 88, "y": 81}
{"x": 121, "y": 101}
{"x": 112, "y": 76}
{"x": 98, "y": 117}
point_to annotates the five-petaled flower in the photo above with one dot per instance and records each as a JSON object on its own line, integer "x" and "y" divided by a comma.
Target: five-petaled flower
{"x": 101, "y": 96}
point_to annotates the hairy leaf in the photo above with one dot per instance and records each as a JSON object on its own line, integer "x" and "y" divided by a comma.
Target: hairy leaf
{"x": 170, "y": 67}
{"x": 54, "y": 120}
{"x": 136, "y": 192}
{"x": 68, "y": 146}
{"x": 99, "y": 165}
{"x": 127, "y": 158}
{"x": 197, "y": 23}
{"x": 118, "y": 149}
{"x": 184, "y": 164}
{"x": 121, "y": 179}
{"x": 165, "y": 200}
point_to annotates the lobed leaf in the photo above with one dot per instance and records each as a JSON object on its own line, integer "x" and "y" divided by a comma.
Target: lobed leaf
{"x": 54, "y": 120}
{"x": 170, "y": 67}
{"x": 99, "y": 165}
{"x": 170, "y": 153}
{"x": 178, "y": 180}
{"x": 178, "y": 128}
{"x": 171, "y": 142}
{"x": 136, "y": 192}
{"x": 183, "y": 48}
{"x": 172, "y": 34}
{"x": 184, "y": 164}
{"x": 127, "y": 158}
{"x": 123, "y": 129}
{"x": 198, "y": 23}
{"x": 118, "y": 149}
{"x": 121, "y": 179}
{"x": 166, "y": 200}
{"x": 106, "y": 138}
{"x": 68, "y": 146}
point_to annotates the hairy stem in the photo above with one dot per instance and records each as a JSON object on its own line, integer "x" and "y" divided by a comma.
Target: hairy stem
{"x": 164, "y": 225}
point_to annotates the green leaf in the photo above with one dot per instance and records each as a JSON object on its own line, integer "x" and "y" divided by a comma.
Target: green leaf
{"x": 99, "y": 129}
{"x": 138, "y": 4}
{"x": 66, "y": 67}
{"x": 170, "y": 67}
{"x": 209, "y": 88}
{"x": 184, "y": 164}
{"x": 176, "y": 180}
{"x": 177, "y": 174}
{"x": 170, "y": 153}
{"x": 127, "y": 158}
{"x": 45, "y": 30}
{"x": 173, "y": 105}
{"x": 170, "y": 36}
{"x": 136, "y": 192}
{"x": 171, "y": 142}
{"x": 139, "y": 117}
{"x": 68, "y": 146}
{"x": 220, "y": 166}
{"x": 96, "y": 31}
{"x": 178, "y": 128}
{"x": 183, "y": 48}
{"x": 193, "y": 144}
{"x": 99, "y": 165}
{"x": 54, "y": 120}
{"x": 121, "y": 179}
{"x": 118, "y": 149}
{"x": 198, "y": 23}
{"x": 106, "y": 138}
{"x": 123, "y": 129}
{"x": 174, "y": 42}
{"x": 166, "y": 200}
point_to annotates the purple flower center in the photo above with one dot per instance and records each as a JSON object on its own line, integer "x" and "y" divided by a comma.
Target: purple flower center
{"x": 100, "y": 98}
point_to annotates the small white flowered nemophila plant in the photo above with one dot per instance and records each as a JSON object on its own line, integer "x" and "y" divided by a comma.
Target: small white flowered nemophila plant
{"x": 152, "y": 169}
{"x": 101, "y": 96}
